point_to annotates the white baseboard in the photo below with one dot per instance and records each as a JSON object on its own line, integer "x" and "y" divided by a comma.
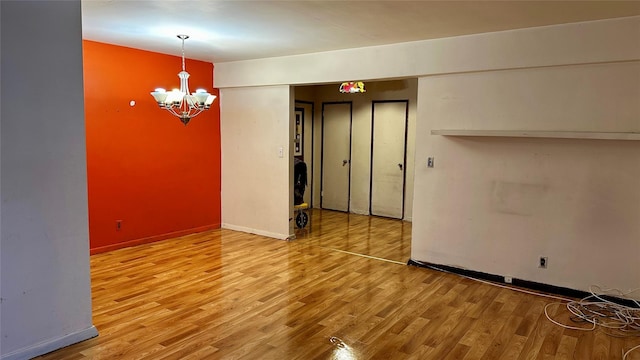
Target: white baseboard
{"x": 51, "y": 345}
{"x": 255, "y": 231}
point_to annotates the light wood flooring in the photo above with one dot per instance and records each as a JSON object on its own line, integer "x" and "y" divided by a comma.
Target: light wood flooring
{"x": 229, "y": 295}
{"x": 373, "y": 236}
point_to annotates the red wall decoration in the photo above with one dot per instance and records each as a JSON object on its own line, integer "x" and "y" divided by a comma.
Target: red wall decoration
{"x": 149, "y": 177}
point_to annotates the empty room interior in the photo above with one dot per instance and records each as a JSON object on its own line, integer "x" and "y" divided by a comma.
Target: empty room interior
{"x": 320, "y": 180}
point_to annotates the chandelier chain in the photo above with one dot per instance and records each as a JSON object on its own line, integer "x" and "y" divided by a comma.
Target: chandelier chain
{"x": 183, "y": 67}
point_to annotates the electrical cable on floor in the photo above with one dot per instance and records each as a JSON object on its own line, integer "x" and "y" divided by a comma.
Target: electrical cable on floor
{"x": 362, "y": 255}
{"x": 618, "y": 320}
{"x": 493, "y": 283}
{"x": 624, "y": 356}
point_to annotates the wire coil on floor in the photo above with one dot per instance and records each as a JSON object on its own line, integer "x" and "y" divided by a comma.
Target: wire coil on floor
{"x": 614, "y": 319}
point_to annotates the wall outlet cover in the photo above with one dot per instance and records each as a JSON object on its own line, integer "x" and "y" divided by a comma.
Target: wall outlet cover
{"x": 543, "y": 262}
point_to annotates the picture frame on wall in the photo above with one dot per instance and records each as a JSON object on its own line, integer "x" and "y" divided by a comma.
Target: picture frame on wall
{"x": 298, "y": 133}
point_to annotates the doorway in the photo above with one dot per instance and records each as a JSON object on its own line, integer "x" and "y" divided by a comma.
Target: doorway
{"x": 304, "y": 145}
{"x": 357, "y": 182}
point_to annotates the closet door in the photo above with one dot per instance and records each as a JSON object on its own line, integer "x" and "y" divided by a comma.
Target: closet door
{"x": 388, "y": 149}
{"x": 336, "y": 156}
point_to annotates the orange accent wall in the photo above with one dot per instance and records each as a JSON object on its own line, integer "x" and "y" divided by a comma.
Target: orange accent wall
{"x": 159, "y": 177}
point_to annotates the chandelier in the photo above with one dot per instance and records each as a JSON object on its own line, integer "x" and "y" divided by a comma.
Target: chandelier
{"x": 179, "y": 102}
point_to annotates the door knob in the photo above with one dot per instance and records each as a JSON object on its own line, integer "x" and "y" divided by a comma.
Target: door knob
{"x": 345, "y": 162}
{"x": 400, "y": 166}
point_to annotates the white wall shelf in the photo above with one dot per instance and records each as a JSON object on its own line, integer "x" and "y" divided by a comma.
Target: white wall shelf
{"x": 542, "y": 134}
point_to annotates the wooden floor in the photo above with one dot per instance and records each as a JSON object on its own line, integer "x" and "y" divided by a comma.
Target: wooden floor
{"x": 229, "y": 295}
{"x": 373, "y": 236}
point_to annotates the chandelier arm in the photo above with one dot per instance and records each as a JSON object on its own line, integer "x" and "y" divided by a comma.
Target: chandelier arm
{"x": 185, "y": 108}
{"x": 198, "y": 112}
{"x": 173, "y": 111}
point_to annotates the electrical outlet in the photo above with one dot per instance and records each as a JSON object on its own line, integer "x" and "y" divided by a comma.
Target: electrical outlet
{"x": 508, "y": 279}
{"x": 430, "y": 162}
{"x": 118, "y": 225}
{"x": 543, "y": 263}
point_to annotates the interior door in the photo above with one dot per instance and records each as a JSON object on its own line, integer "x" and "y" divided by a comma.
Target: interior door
{"x": 336, "y": 155}
{"x": 388, "y": 150}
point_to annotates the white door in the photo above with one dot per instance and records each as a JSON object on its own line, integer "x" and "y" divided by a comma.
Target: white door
{"x": 336, "y": 155}
{"x": 389, "y": 122}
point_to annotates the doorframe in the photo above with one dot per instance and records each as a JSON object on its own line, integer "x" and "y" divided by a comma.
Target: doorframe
{"x": 404, "y": 159}
{"x": 322, "y": 149}
{"x": 313, "y": 111}
{"x": 295, "y": 110}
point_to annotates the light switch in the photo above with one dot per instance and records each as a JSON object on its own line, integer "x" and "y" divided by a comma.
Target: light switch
{"x": 280, "y": 152}
{"x": 430, "y": 162}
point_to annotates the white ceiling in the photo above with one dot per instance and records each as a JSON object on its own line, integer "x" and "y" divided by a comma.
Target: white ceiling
{"x": 237, "y": 30}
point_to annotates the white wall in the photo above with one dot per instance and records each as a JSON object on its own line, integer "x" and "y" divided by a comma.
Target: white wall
{"x": 608, "y": 40}
{"x": 497, "y": 204}
{"x": 257, "y": 184}
{"x": 45, "y": 284}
